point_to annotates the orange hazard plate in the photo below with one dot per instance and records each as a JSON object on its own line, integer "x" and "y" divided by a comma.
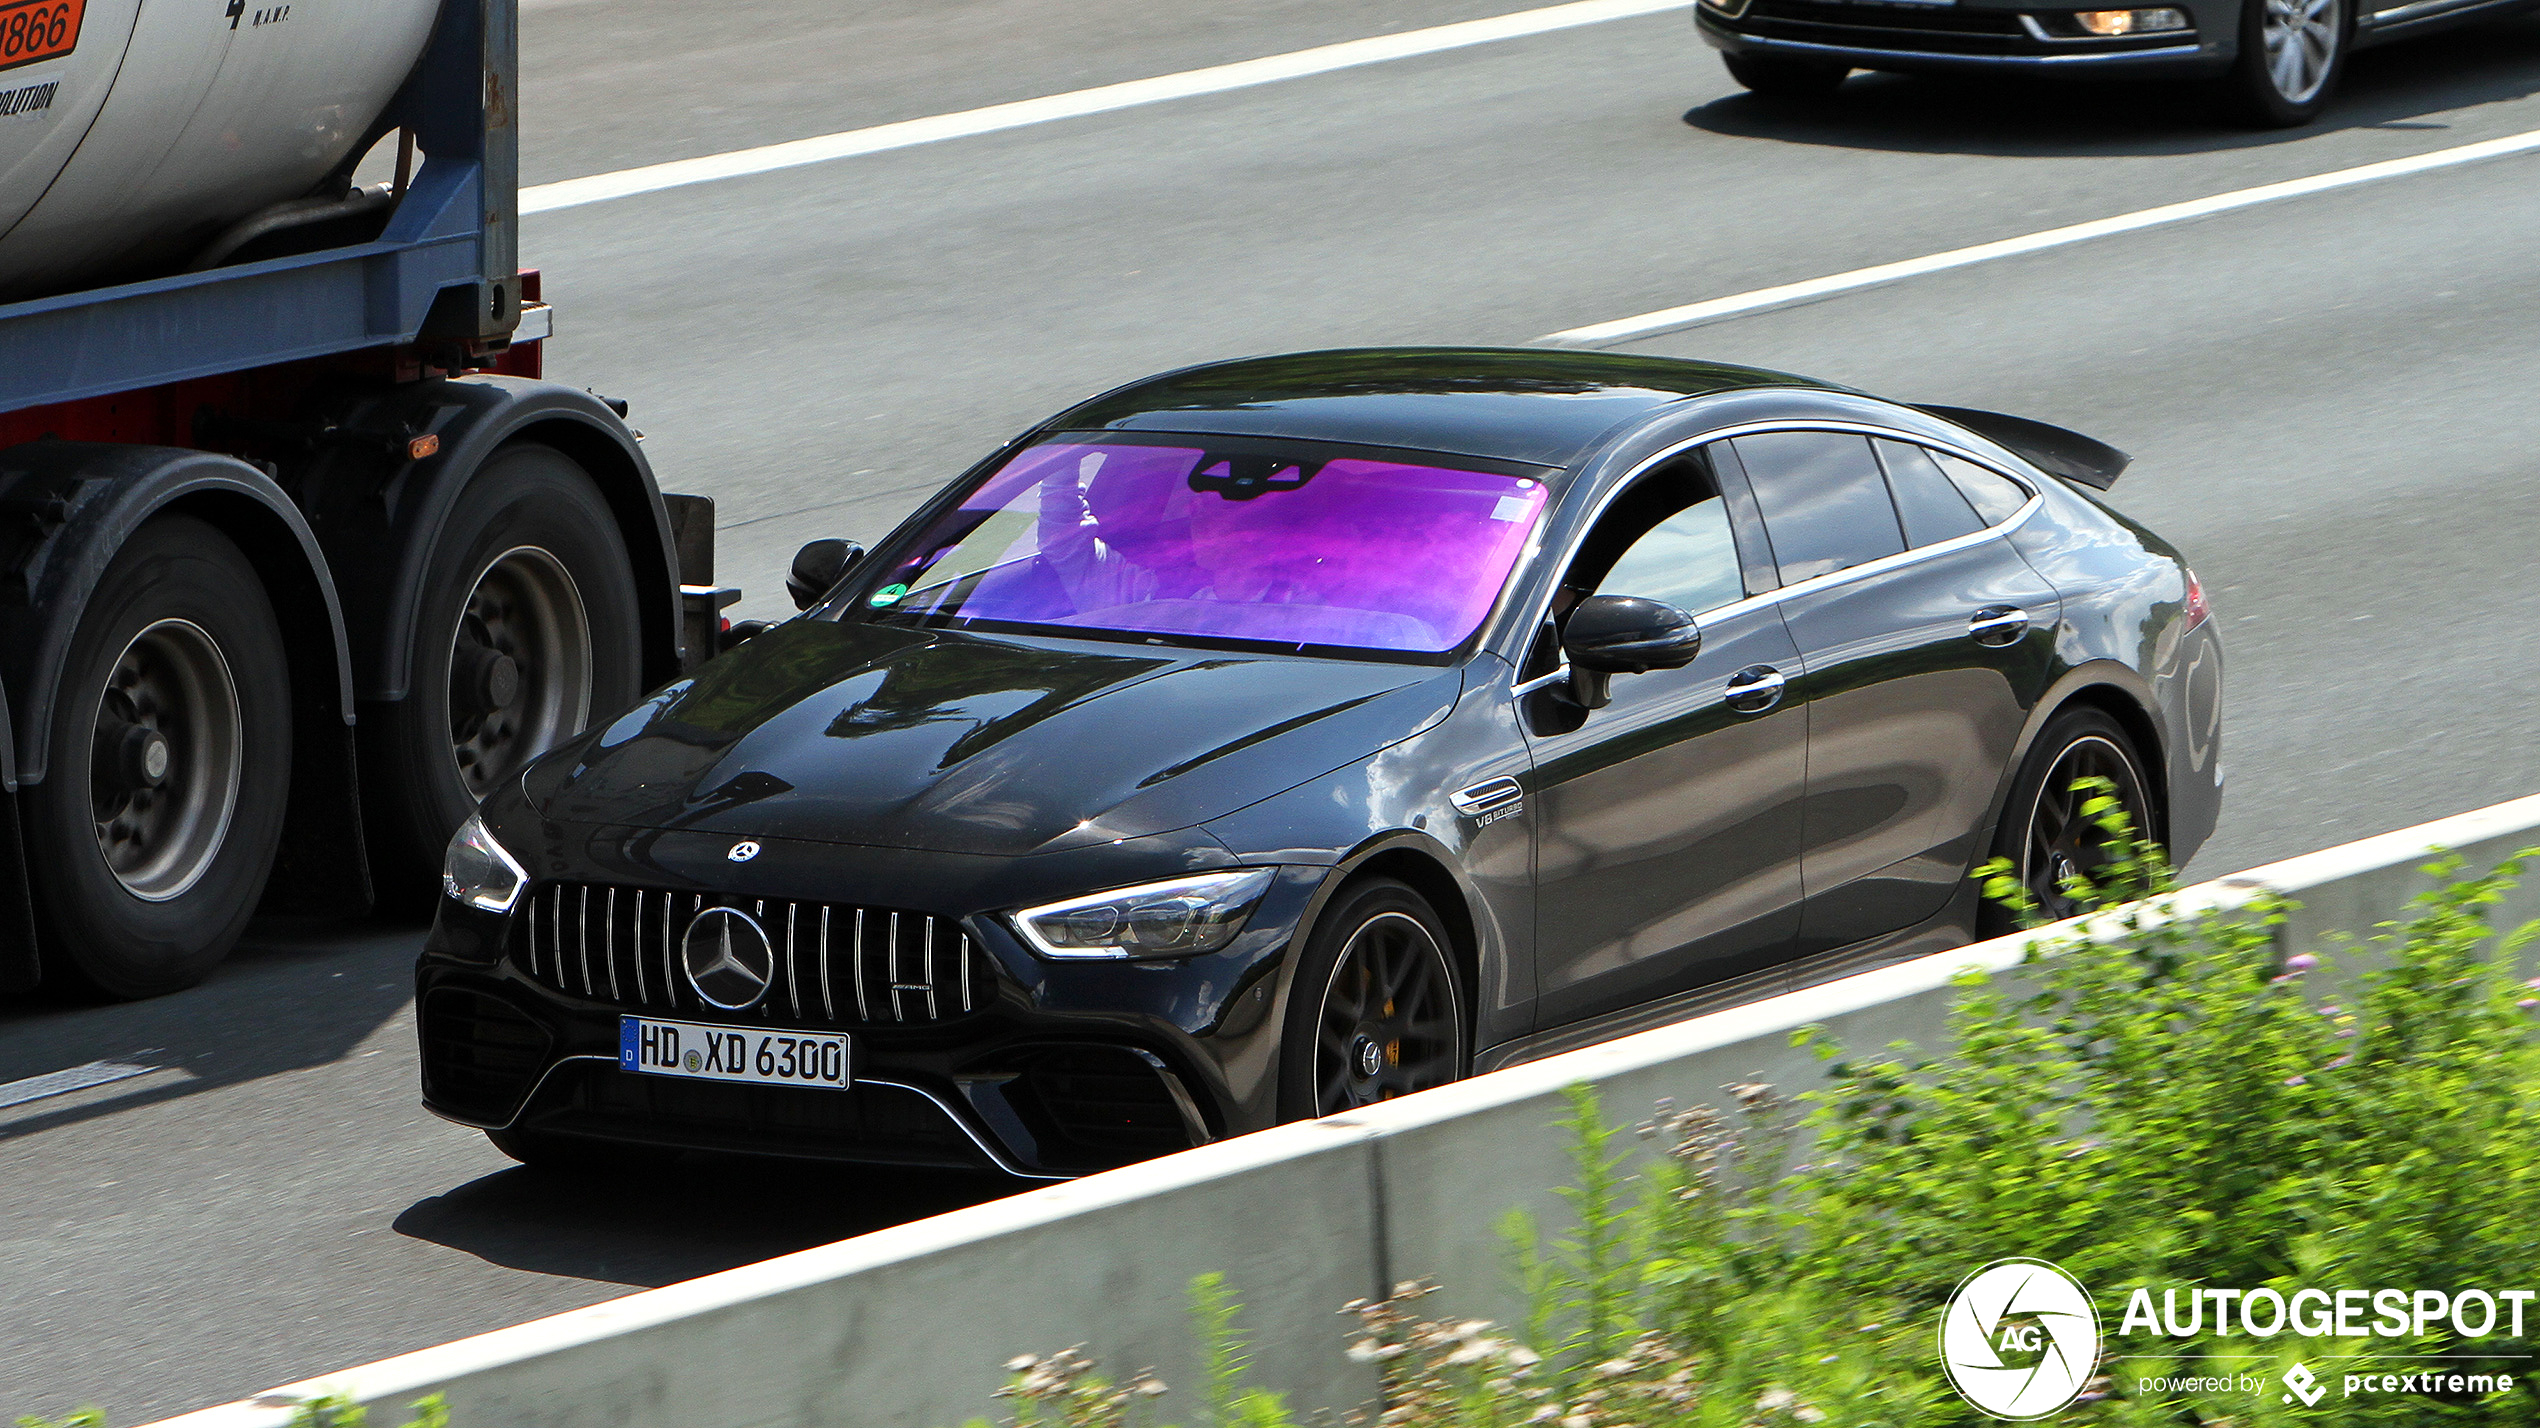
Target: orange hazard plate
{"x": 32, "y": 30}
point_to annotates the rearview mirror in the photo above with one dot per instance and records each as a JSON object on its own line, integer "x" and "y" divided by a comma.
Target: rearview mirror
{"x": 1609, "y": 635}
{"x": 818, "y": 567}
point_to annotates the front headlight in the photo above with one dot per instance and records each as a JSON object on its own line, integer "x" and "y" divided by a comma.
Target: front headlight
{"x": 479, "y": 872}
{"x": 1180, "y": 918}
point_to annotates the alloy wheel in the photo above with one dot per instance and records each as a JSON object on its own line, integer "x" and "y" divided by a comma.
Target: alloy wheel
{"x": 2301, "y": 45}
{"x": 520, "y": 667}
{"x": 1389, "y": 1024}
{"x": 2062, "y": 840}
{"x": 164, "y": 772}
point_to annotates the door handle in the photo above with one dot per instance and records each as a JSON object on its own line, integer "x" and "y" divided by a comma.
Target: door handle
{"x": 1754, "y": 689}
{"x": 1998, "y": 625}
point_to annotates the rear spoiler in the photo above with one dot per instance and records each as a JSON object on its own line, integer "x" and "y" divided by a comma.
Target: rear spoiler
{"x": 2050, "y": 449}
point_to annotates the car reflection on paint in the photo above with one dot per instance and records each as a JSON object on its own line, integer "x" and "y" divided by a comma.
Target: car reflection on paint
{"x": 1275, "y": 737}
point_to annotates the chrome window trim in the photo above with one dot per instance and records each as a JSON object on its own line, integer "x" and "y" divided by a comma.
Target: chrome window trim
{"x": 1542, "y": 605}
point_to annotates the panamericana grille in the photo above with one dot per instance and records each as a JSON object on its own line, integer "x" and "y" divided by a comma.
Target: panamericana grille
{"x": 843, "y": 965}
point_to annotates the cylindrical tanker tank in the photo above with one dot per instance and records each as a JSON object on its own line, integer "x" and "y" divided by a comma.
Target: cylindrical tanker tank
{"x": 133, "y": 131}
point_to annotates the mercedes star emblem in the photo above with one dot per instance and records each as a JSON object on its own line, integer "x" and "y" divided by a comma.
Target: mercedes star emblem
{"x": 743, "y": 851}
{"x": 728, "y": 958}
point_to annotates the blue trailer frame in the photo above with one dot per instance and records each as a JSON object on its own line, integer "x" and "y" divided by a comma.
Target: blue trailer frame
{"x": 446, "y": 268}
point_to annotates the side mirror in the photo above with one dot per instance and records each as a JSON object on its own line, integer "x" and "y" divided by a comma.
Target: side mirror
{"x": 1609, "y": 635}
{"x": 818, "y": 567}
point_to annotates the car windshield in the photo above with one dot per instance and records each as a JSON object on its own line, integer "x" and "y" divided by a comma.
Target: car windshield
{"x": 1222, "y": 540}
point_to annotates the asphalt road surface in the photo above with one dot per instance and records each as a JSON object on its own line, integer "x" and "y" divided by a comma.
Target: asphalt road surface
{"x": 2330, "y": 400}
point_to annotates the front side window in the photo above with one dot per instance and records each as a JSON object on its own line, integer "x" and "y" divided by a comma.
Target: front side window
{"x": 1210, "y": 540}
{"x": 1824, "y": 500}
{"x": 1666, "y": 539}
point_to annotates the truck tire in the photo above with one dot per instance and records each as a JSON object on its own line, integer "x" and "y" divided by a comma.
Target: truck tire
{"x": 155, "y": 827}
{"x": 526, "y": 630}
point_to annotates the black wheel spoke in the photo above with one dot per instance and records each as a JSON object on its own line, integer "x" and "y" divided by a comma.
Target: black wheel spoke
{"x": 1389, "y": 1023}
{"x": 2062, "y": 840}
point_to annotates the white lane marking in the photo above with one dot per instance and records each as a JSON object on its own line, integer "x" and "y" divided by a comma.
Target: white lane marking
{"x": 1674, "y": 319}
{"x": 1216, "y": 79}
{"x": 75, "y": 1078}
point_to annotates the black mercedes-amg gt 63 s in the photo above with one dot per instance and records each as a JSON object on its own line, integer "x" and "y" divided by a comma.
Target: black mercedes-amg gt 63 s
{"x": 1273, "y": 737}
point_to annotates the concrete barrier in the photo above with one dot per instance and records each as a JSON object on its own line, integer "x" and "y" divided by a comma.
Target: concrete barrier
{"x": 909, "y": 1327}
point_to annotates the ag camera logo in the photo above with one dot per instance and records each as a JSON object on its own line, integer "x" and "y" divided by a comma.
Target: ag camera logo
{"x": 2019, "y": 1339}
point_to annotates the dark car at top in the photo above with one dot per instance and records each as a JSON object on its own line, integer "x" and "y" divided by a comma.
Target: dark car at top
{"x": 1272, "y": 737}
{"x": 2275, "y": 63}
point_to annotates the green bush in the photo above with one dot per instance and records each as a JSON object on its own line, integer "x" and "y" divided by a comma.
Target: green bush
{"x": 2167, "y": 1102}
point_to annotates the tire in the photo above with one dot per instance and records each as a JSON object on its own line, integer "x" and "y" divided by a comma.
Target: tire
{"x": 2037, "y": 827}
{"x": 2292, "y": 54}
{"x": 572, "y": 1155}
{"x": 169, "y": 767}
{"x": 1343, "y": 1047}
{"x": 1781, "y": 77}
{"x": 526, "y": 631}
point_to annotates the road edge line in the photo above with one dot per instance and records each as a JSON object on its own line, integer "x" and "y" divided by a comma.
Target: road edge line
{"x": 1677, "y": 319}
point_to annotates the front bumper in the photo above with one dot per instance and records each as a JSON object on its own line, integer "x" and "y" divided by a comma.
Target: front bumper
{"x": 970, "y": 1051}
{"x": 1952, "y": 39}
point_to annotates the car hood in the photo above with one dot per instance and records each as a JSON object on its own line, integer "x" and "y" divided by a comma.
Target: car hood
{"x": 960, "y": 742}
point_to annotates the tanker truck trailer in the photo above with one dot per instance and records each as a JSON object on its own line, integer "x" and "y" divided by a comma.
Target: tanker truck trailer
{"x": 299, "y": 553}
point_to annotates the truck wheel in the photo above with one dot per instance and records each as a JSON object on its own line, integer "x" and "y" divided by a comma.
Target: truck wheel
{"x": 526, "y": 630}
{"x": 159, "y": 815}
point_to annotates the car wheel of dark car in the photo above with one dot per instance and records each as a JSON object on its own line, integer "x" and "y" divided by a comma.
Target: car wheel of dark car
{"x": 1377, "y": 1012}
{"x": 1780, "y": 77}
{"x": 2292, "y": 53}
{"x": 2044, "y": 832}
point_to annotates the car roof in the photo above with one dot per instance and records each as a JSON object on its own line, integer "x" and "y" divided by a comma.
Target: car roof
{"x": 1538, "y": 405}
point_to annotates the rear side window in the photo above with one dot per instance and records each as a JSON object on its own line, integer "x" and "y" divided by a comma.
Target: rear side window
{"x": 1824, "y": 500}
{"x": 1926, "y": 500}
{"x": 1995, "y": 496}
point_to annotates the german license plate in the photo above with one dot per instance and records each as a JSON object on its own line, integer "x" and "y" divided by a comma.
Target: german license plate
{"x": 724, "y": 1053}
{"x": 32, "y": 30}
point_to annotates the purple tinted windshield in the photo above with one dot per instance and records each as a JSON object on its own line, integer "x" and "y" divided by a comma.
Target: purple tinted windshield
{"x": 1284, "y": 547}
